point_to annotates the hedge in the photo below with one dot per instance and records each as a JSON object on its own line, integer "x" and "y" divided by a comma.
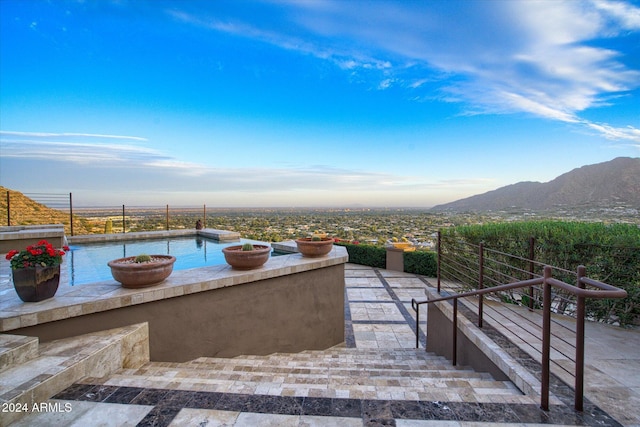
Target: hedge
{"x": 610, "y": 252}
{"x": 373, "y": 256}
{"x": 417, "y": 262}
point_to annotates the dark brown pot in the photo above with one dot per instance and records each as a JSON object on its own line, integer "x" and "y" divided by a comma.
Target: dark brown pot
{"x": 143, "y": 274}
{"x": 246, "y": 260}
{"x": 35, "y": 284}
{"x": 314, "y": 248}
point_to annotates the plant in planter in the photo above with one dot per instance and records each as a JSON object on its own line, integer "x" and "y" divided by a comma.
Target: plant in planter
{"x": 247, "y": 256}
{"x": 316, "y": 246}
{"x": 142, "y": 270}
{"x": 403, "y": 244}
{"x": 36, "y": 271}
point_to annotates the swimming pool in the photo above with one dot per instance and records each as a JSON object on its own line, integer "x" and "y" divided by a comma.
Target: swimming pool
{"x": 87, "y": 263}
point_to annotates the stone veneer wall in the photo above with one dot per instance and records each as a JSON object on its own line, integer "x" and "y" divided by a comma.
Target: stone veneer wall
{"x": 290, "y": 313}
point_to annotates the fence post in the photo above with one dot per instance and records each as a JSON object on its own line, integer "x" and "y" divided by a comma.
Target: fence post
{"x": 204, "y": 215}
{"x": 454, "y": 356}
{"x": 580, "y": 314}
{"x": 167, "y": 217}
{"x": 532, "y": 242}
{"x": 71, "y": 213}
{"x": 8, "y": 209}
{"x": 122, "y": 218}
{"x": 480, "y": 282}
{"x": 546, "y": 339}
{"x": 439, "y": 250}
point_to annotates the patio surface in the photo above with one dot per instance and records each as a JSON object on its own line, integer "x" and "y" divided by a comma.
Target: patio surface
{"x": 378, "y": 317}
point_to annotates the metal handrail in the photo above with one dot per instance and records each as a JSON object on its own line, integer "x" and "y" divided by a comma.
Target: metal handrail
{"x": 547, "y": 281}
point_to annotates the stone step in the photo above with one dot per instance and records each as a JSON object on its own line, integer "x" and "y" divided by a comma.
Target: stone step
{"x": 16, "y": 350}
{"x": 58, "y": 364}
{"x": 352, "y": 354}
{"x": 335, "y": 373}
{"x": 332, "y": 373}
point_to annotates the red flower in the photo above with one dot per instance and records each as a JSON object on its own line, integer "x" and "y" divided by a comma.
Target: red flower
{"x": 66, "y": 248}
{"x": 43, "y": 254}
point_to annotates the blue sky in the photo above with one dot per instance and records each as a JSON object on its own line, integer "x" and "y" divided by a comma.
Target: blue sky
{"x": 311, "y": 103}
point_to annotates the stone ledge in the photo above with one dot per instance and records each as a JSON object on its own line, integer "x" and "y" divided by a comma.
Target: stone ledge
{"x": 75, "y": 301}
{"x": 211, "y": 233}
{"x": 20, "y": 237}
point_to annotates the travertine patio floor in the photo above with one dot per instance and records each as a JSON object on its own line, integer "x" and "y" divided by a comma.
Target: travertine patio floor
{"x": 378, "y": 316}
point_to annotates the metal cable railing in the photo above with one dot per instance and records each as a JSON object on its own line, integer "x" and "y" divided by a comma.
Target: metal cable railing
{"x": 468, "y": 271}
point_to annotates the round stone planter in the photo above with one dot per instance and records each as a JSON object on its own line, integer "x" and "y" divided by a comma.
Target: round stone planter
{"x": 140, "y": 275}
{"x": 246, "y": 260}
{"x": 314, "y": 248}
{"x": 35, "y": 284}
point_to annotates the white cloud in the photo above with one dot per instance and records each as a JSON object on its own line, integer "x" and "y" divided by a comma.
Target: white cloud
{"x": 104, "y": 165}
{"x": 534, "y": 57}
{"x": 85, "y": 135}
{"x": 627, "y": 15}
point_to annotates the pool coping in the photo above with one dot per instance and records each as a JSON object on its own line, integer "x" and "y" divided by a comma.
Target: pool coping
{"x": 211, "y": 233}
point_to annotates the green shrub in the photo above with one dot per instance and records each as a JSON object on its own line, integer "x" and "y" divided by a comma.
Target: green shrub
{"x": 610, "y": 253}
{"x": 372, "y": 256}
{"x": 421, "y": 262}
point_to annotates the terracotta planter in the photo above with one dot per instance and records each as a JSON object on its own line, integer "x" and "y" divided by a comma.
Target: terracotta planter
{"x": 35, "y": 284}
{"x": 246, "y": 260}
{"x": 140, "y": 275}
{"x": 314, "y": 248}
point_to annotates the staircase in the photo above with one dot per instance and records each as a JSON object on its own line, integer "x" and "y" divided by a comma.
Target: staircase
{"x": 387, "y": 374}
{"x": 31, "y": 373}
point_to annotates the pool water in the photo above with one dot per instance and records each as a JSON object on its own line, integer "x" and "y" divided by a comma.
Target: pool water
{"x": 87, "y": 263}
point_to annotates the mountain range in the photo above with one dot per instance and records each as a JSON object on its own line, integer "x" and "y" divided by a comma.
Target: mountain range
{"x": 615, "y": 183}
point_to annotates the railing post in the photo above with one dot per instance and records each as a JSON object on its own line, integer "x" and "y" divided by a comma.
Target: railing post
{"x": 532, "y": 253}
{"x": 546, "y": 339}
{"x": 71, "y": 214}
{"x": 439, "y": 249}
{"x": 417, "y": 325}
{"x": 580, "y": 315}
{"x": 167, "y": 216}
{"x": 9, "y": 211}
{"x": 454, "y": 357}
{"x": 204, "y": 216}
{"x": 480, "y": 283}
{"x": 122, "y": 218}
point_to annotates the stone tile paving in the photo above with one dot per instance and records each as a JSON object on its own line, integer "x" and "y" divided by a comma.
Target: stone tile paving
{"x": 378, "y": 314}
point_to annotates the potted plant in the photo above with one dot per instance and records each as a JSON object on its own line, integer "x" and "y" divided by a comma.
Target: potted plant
{"x": 315, "y": 246}
{"x": 247, "y": 256}
{"x": 403, "y": 244}
{"x": 36, "y": 271}
{"x": 142, "y": 270}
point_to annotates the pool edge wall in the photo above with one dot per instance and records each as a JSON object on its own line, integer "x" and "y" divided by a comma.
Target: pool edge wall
{"x": 288, "y": 313}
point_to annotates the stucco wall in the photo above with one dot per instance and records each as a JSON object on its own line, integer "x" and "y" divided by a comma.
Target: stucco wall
{"x": 289, "y": 313}
{"x": 440, "y": 340}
